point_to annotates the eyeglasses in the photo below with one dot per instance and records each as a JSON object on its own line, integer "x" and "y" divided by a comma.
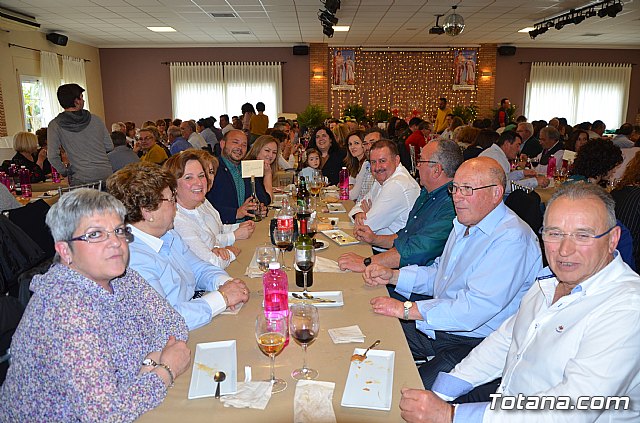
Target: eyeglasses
{"x": 171, "y": 200}
{"x": 147, "y": 139}
{"x": 426, "y": 161}
{"x": 580, "y": 237}
{"x": 465, "y": 190}
{"x": 101, "y": 235}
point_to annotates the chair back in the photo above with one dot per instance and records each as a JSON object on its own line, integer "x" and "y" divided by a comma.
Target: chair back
{"x": 31, "y": 219}
{"x": 527, "y": 206}
{"x": 516, "y": 186}
{"x": 94, "y": 185}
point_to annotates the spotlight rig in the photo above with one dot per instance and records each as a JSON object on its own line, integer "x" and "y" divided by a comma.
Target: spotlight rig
{"x": 576, "y": 16}
{"x": 328, "y": 17}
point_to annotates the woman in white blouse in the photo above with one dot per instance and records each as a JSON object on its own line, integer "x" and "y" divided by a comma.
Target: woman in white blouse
{"x": 197, "y": 221}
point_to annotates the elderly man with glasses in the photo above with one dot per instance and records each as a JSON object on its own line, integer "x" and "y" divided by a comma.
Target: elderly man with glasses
{"x": 574, "y": 339}
{"x": 488, "y": 263}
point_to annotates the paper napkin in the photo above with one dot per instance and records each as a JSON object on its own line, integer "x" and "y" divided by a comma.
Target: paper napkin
{"x": 346, "y": 335}
{"x": 312, "y": 402}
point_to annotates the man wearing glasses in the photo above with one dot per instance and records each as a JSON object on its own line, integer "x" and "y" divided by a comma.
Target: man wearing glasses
{"x": 489, "y": 261}
{"x": 576, "y": 334}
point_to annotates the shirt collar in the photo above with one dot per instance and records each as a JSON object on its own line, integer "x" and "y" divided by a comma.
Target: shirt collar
{"x": 230, "y": 164}
{"x": 486, "y": 225}
{"x": 150, "y": 240}
{"x": 437, "y": 191}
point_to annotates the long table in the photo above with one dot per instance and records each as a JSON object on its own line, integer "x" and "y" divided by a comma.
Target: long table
{"x": 331, "y": 360}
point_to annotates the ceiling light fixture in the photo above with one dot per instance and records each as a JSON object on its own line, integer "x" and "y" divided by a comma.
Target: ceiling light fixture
{"x": 341, "y": 28}
{"x": 161, "y": 29}
{"x": 454, "y": 23}
{"x": 576, "y": 16}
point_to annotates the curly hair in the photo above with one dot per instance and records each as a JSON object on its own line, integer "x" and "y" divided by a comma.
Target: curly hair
{"x": 596, "y": 158}
{"x": 352, "y": 163}
{"x": 631, "y": 175}
{"x": 467, "y": 135}
{"x": 139, "y": 186}
{"x": 178, "y": 162}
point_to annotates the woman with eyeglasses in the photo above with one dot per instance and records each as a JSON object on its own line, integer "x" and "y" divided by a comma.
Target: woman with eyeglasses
{"x": 197, "y": 221}
{"x": 197, "y": 289}
{"x": 96, "y": 342}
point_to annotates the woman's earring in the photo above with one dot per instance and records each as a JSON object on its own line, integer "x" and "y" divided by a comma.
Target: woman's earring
{"x": 151, "y": 219}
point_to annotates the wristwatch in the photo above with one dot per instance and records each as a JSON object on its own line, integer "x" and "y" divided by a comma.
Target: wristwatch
{"x": 367, "y": 261}
{"x": 407, "y": 306}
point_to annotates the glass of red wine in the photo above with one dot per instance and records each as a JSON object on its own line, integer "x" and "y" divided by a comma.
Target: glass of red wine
{"x": 284, "y": 241}
{"x": 304, "y": 324}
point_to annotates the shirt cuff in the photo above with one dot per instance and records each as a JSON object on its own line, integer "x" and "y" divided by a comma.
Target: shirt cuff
{"x": 449, "y": 387}
{"x": 216, "y": 302}
{"x": 406, "y": 280}
{"x": 472, "y": 412}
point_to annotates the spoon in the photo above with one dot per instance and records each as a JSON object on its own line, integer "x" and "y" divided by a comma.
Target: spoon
{"x": 362, "y": 357}
{"x": 219, "y": 377}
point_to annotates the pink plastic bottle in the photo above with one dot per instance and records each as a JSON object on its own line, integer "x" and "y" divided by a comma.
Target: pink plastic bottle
{"x": 55, "y": 175}
{"x": 344, "y": 184}
{"x": 276, "y": 293}
{"x": 25, "y": 182}
{"x": 551, "y": 167}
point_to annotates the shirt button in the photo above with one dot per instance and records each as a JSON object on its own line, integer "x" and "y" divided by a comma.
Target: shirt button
{"x": 537, "y": 325}
{"x": 518, "y": 356}
{"x": 415, "y": 217}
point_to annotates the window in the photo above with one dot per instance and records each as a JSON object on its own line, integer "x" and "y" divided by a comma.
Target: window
{"x": 32, "y": 102}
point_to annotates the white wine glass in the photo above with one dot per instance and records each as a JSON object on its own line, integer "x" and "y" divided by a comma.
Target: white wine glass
{"x": 304, "y": 324}
{"x": 266, "y": 254}
{"x": 271, "y": 333}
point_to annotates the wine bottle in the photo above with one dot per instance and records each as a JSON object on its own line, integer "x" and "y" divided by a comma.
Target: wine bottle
{"x": 304, "y": 197}
{"x": 304, "y": 241}
{"x": 257, "y": 217}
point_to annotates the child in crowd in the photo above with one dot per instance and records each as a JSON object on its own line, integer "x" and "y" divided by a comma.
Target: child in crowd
{"x": 312, "y": 162}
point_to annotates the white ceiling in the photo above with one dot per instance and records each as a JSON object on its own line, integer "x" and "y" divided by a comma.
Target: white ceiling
{"x": 122, "y": 23}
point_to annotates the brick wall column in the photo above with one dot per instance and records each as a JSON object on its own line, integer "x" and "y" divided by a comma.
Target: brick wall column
{"x": 319, "y": 87}
{"x": 3, "y": 120}
{"x": 486, "y": 84}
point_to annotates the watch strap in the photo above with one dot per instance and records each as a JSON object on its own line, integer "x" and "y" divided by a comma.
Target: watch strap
{"x": 168, "y": 369}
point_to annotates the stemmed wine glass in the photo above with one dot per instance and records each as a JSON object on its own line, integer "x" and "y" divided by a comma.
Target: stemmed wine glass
{"x": 266, "y": 254}
{"x": 271, "y": 332}
{"x": 303, "y": 327}
{"x": 315, "y": 185}
{"x": 284, "y": 241}
{"x": 305, "y": 259}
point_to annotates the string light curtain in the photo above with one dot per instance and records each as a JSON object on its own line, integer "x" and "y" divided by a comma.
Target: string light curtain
{"x": 50, "y": 74}
{"x": 411, "y": 81}
{"x": 579, "y": 92}
{"x": 73, "y": 73}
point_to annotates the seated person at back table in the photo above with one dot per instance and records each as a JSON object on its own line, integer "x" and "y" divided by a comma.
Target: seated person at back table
{"x": 385, "y": 208}
{"x": 575, "y": 335}
{"x": 488, "y": 263}
{"x": 430, "y": 220}
{"x": 231, "y": 194}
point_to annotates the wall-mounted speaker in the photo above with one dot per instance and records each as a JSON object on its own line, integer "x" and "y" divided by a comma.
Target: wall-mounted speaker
{"x": 300, "y": 50}
{"x": 507, "y": 50}
{"x": 58, "y": 39}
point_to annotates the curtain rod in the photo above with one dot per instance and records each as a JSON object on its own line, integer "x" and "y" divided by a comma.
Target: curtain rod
{"x": 237, "y": 61}
{"x": 605, "y": 63}
{"x": 35, "y": 49}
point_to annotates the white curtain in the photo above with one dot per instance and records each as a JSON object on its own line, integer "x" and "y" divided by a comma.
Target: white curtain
{"x": 579, "y": 92}
{"x": 73, "y": 73}
{"x": 197, "y": 90}
{"x": 50, "y": 74}
{"x": 251, "y": 82}
{"x": 212, "y": 89}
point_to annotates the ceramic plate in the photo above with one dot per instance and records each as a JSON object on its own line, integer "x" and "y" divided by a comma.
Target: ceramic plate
{"x": 324, "y": 245}
{"x": 335, "y": 296}
{"x": 210, "y": 358}
{"x": 370, "y": 383}
{"x": 336, "y": 208}
{"x": 340, "y": 237}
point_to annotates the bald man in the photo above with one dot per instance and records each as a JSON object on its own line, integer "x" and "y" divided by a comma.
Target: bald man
{"x": 489, "y": 261}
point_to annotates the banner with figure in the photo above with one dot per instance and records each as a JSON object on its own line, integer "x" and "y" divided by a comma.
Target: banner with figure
{"x": 343, "y": 70}
{"x": 464, "y": 69}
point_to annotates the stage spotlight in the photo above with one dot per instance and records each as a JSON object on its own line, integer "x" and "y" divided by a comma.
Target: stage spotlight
{"x": 327, "y": 30}
{"x": 559, "y": 25}
{"x": 578, "y": 19}
{"x": 332, "y": 5}
{"x": 613, "y": 10}
{"x": 602, "y": 12}
{"x": 534, "y": 33}
{"x": 328, "y": 18}
{"x": 543, "y": 29}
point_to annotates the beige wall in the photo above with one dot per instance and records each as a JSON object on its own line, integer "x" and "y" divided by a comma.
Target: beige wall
{"x": 17, "y": 61}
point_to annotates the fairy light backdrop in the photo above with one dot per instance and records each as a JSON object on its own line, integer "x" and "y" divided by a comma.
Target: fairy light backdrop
{"x": 406, "y": 82}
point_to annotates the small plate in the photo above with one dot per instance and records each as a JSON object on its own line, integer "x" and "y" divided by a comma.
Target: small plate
{"x": 324, "y": 245}
{"x": 370, "y": 383}
{"x": 210, "y": 358}
{"x": 336, "y": 208}
{"x": 340, "y": 237}
{"x": 326, "y": 295}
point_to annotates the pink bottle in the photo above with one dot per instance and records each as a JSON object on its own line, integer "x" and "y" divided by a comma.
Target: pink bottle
{"x": 276, "y": 293}
{"x": 25, "y": 182}
{"x": 551, "y": 167}
{"x": 344, "y": 184}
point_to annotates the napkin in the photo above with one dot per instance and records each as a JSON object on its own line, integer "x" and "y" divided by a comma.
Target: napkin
{"x": 346, "y": 335}
{"x": 312, "y": 402}
{"x": 322, "y": 265}
{"x": 249, "y": 395}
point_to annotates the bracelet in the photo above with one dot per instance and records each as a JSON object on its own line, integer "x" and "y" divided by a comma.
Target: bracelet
{"x": 453, "y": 412}
{"x": 168, "y": 369}
{"x": 224, "y": 297}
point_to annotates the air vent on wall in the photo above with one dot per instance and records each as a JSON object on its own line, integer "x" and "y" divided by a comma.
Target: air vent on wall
{"x": 223, "y": 15}
{"x": 16, "y": 21}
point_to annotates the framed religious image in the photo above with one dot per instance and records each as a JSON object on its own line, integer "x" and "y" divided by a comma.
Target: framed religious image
{"x": 343, "y": 70}
{"x": 464, "y": 69}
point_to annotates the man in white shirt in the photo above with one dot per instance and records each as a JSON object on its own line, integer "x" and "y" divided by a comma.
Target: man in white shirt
{"x": 188, "y": 130}
{"x": 576, "y": 335}
{"x": 387, "y": 205}
{"x": 225, "y": 125}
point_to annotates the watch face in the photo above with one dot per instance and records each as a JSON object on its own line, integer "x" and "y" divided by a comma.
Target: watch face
{"x": 407, "y": 304}
{"x": 367, "y": 261}
{"x": 149, "y": 362}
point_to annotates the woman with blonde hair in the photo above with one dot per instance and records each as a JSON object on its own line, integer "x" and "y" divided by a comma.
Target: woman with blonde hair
{"x": 197, "y": 221}
{"x": 26, "y": 145}
{"x": 341, "y": 131}
{"x": 265, "y": 148}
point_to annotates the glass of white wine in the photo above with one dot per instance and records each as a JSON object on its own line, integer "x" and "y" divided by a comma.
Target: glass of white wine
{"x": 271, "y": 332}
{"x": 266, "y": 254}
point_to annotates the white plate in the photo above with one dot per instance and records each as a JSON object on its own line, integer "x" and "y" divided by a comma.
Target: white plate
{"x": 324, "y": 246}
{"x": 370, "y": 383}
{"x": 327, "y": 295}
{"x": 336, "y": 208}
{"x": 340, "y": 237}
{"x": 210, "y": 358}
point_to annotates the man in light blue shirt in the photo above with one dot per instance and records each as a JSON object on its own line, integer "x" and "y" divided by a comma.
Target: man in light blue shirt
{"x": 178, "y": 275}
{"x": 489, "y": 261}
